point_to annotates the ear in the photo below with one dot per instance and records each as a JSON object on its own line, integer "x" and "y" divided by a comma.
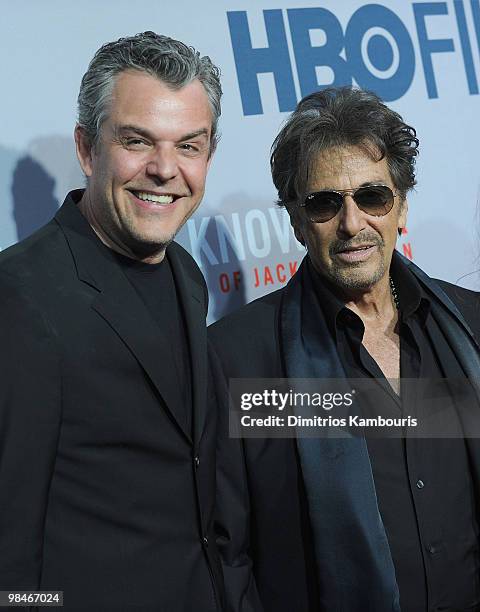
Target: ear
{"x": 84, "y": 150}
{"x": 213, "y": 148}
{"x": 298, "y": 235}
{"x": 402, "y": 215}
{"x": 296, "y": 230}
{"x": 209, "y": 161}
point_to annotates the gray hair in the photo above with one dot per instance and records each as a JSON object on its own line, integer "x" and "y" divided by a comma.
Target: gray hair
{"x": 171, "y": 61}
{"x": 338, "y": 117}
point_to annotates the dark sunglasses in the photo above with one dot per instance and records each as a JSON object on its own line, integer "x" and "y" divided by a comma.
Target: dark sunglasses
{"x": 376, "y": 200}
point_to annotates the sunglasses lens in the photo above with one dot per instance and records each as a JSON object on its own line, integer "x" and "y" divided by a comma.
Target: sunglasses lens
{"x": 374, "y": 200}
{"x": 323, "y": 205}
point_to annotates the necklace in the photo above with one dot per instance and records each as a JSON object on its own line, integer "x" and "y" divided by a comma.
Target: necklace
{"x": 393, "y": 291}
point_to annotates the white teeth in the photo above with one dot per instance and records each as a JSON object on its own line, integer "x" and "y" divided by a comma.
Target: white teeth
{"x": 150, "y": 197}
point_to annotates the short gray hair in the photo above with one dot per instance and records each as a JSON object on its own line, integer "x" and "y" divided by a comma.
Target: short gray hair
{"x": 170, "y": 60}
{"x": 339, "y": 117}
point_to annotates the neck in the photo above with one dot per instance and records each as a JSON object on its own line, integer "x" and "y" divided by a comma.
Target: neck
{"x": 374, "y": 304}
{"x": 88, "y": 211}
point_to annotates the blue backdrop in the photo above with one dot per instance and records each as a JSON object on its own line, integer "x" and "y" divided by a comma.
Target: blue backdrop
{"x": 421, "y": 57}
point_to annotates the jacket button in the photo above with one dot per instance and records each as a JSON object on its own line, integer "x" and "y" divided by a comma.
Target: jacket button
{"x": 197, "y": 461}
{"x": 205, "y": 541}
{"x": 420, "y": 484}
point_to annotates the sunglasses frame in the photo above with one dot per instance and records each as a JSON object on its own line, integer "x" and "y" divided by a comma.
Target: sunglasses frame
{"x": 351, "y": 193}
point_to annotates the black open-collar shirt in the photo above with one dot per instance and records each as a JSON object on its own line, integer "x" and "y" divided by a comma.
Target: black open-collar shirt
{"x": 424, "y": 490}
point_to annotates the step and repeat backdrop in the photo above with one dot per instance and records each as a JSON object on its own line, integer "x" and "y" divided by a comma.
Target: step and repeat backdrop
{"x": 422, "y": 58}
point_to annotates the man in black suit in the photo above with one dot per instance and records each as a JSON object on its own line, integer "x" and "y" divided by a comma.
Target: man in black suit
{"x": 107, "y": 433}
{"x": 350, "y": 524}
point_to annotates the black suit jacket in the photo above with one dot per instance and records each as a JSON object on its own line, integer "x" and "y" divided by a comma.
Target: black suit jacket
{"x": 262, "y": 514}
{"x": 105, "y": 494}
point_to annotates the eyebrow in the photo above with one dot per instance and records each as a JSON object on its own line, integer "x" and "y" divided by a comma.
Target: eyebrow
{"x": 191, "y": 135}
{"x": 147, "y": 134}
{"x": 378, "y": 181}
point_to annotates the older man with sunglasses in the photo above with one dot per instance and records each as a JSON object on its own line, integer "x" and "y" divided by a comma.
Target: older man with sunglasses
{"x": 351, "y": 524}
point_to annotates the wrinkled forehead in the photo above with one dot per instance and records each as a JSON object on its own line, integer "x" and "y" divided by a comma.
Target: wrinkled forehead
{"x": 347, "y": 167}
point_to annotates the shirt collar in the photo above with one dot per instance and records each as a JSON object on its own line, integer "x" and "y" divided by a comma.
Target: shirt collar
{"x": 412, "y": 298}
{"x": 332, "y": 306}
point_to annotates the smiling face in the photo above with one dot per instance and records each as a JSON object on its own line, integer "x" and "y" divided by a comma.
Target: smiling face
{"x": 353, "y": 250}
{"x": 146, "y": 174}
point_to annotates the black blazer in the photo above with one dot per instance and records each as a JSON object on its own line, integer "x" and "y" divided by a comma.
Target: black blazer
{"x": 104, "y": 492}
{"x": 262, "y": 514}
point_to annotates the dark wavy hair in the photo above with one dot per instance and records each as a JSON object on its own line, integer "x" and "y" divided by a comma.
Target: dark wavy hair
{"x": 338, "y": 117}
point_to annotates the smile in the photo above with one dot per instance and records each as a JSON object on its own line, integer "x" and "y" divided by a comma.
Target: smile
{"x": 152, "y": 197}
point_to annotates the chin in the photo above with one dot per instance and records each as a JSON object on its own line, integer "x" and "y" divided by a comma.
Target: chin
{"x": 146, "y": 245}
{"x": 357, "y": 279}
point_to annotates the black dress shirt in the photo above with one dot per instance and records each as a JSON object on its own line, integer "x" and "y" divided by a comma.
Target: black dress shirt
{"x": 424, "y": 489}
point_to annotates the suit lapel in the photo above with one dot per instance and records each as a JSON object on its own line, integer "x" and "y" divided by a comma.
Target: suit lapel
{"x": 122, "y": 308}
{"x": 128, "y": 316}
{"x": 192, "y": 298}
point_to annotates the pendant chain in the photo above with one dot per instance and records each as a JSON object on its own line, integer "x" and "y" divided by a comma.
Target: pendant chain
{"x": 393, "y": 291}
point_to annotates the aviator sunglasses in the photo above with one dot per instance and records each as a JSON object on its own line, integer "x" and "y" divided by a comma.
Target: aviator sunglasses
{"x": 376, "y": 200}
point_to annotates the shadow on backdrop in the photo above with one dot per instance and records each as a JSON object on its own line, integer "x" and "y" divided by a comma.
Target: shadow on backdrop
{"x": 8, "y": 162}
{"x": 34, "y": 203}
{"x": 222, "y": 304}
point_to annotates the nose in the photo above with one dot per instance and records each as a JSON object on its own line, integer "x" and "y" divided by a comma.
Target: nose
{"x": 162, "y": 164}
{"x": 351, "y": 218}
